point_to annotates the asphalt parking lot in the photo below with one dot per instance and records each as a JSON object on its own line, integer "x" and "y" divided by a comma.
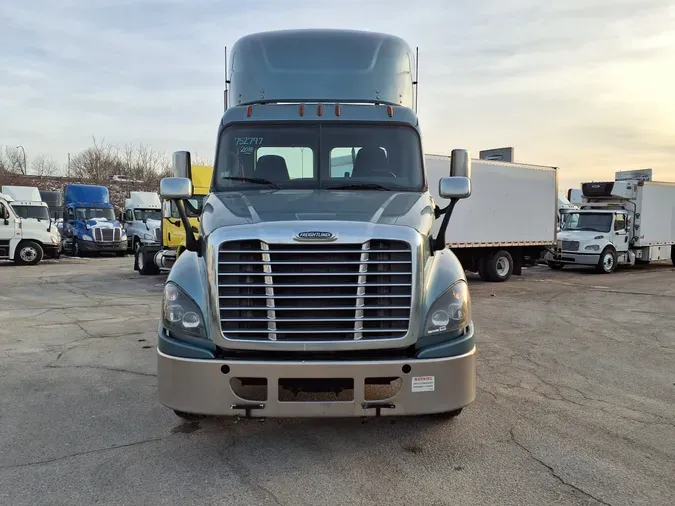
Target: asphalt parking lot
{"x": 576, "y": 404}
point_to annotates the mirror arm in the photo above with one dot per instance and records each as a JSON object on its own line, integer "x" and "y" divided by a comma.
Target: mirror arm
{"x": 191, "y": 243}
{"x": 439, "y": 242}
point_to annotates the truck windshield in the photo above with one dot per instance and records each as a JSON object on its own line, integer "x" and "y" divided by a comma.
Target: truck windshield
{"x": 598, "y": 222}
{"x": 314, "y": 156}
{"x": 193, "y": 207}
{"x": 36, "y": 212}
{"x": 91, "y": 213}
{"x": 147, "y": 214}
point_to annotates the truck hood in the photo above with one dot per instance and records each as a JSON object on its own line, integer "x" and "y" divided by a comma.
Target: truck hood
{"x": 581, "y": 235}
{"x": 102, "y": 223}
{"x": 408, "y": 209}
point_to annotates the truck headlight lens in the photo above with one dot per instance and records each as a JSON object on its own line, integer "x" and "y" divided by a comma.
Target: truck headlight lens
{"x": 592, "y": 247}
{"x": 148, "y": 237}
{"x": 451, "y": 311}
{"x": 53, "y": 239}
{"x": 181, "y": 314}
{"x": 86, "y": 237}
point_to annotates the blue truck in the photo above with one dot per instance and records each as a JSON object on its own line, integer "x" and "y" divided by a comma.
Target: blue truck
{"x": 89, "y": 224}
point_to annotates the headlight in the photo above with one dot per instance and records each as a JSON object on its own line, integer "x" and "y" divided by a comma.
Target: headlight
{"x": 451, "y": 311}
{"x": 180, "y": 314}
{"x": 53, "y": 239}
{"x": 592, "y": 247}
{"x": 124, "y": 234}
{"x": 86, "y": 237}
{"x": 148, "y": 237}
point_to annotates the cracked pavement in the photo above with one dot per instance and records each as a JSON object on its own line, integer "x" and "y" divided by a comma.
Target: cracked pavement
{"x": 575, "y": 404}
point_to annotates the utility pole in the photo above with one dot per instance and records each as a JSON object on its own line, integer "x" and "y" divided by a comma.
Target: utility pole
{"x": 25, "y": 165}
{"x": 68, "y": 169}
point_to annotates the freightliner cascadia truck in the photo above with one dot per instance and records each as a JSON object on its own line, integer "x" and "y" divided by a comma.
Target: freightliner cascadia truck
{"x": 89, "y": 224}
{"x": 313, "y": 290}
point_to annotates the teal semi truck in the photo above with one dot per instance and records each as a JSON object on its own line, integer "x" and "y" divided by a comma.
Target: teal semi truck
{"x": 315, "y": 286}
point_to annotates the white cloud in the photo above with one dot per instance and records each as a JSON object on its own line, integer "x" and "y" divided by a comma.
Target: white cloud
{"x": 583, "y": 84}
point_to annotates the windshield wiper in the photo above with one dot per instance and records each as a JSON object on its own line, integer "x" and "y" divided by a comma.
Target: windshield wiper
{"x": 255, "y": 180}
{"x": 359, "y": 186}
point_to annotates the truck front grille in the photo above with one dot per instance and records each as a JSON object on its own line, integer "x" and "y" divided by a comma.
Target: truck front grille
{"x": 313, "y": 292}
{"x": 107, "y": 234}
{"x": 158, "y": 234}
{"x": 570, "y": 245}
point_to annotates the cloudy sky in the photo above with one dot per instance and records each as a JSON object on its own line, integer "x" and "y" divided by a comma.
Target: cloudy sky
{"x": 586, "y": 85}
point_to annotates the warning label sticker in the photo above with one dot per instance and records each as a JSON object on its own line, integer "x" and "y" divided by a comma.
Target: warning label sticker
{"x": 423, "y": 383}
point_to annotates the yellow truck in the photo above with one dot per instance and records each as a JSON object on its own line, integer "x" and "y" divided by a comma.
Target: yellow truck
{"x": 153, "y": 259}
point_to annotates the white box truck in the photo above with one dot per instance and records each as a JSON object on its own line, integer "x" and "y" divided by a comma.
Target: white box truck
{"x": 511, "y": 219}
{"x": 621, "y": 222}
{"x": 27, "y": 233}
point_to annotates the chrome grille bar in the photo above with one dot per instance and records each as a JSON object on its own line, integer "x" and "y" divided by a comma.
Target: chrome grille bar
{"x": 269, "y": 291}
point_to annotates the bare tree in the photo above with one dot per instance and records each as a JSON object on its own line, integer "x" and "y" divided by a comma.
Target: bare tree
{"x": 12, "y": 160}
{"x": 44, "y": 166}
{"x": 97, "y": 163}
{"x": 142, "y": 162}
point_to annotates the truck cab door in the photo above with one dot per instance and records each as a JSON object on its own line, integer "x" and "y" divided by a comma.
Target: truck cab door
{"x": 620, "y": 232}
{"x": 7, "y": 228}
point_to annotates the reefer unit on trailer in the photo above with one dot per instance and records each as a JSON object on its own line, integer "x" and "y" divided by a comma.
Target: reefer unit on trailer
{"x": 626, "y": 221}
{"x": 510, "y": 219}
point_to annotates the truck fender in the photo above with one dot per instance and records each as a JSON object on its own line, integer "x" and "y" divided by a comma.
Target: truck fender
{"x": 442, "y": 271}
{"x": 189, "y": 273}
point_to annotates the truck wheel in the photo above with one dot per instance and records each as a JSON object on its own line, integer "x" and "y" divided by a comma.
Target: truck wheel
{"x": 607, "y": 262}
{"x": 144, "y": 265}
{"x": 188, "y": 416}
{"x": 556, "y": 266}
{"x": 499, "y": 266}
{"x": 28, "y": 253}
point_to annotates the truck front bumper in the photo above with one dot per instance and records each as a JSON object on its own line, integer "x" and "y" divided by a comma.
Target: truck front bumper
{"x": 568, "y": 257}
{"x": 103, "y": 247}
{"x": 426, "y": 386}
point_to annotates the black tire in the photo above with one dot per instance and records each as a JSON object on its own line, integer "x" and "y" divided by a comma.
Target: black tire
{"x": 607, "y": 262}
{"x": 499, "y": 266}
{"x": 556, "y": 266}
{"x": 28, "y": 253}
{"x": 145, "y": 266}
{"x": 448, "y": 415}
{"x": 192, "y": 417}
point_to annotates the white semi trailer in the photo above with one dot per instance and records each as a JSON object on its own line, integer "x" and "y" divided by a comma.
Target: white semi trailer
{"x": 620, "y": 222}
{"x": 511, "y": 219}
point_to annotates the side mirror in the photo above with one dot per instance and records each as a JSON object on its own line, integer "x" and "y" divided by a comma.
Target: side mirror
{"x": 454, "y": 187}
{"x": 172, "y": 188}
{"x": 182, "y": 165}
{"x": 460, "y": 163}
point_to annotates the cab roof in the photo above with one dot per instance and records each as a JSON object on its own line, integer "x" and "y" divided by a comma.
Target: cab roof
{"x": 326, "y": 65}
